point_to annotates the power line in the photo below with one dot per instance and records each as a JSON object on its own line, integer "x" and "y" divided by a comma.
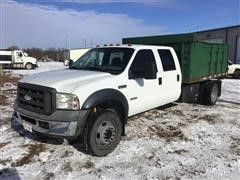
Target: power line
{"x": 212, "y": 21}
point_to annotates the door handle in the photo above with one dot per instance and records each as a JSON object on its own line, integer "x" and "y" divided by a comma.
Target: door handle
{"x": 178, "y": 77}
{"x": 160, "y": 81}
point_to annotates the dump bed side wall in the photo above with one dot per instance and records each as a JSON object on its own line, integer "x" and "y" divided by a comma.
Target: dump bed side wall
{"x": 207, "y": 61}
{"x": 201, "y": 61}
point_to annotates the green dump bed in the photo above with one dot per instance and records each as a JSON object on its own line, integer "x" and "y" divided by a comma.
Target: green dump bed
{"x": 199, "y": 61}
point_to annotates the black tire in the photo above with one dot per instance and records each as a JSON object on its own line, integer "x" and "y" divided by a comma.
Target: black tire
{"x": 210, "y": 94}
{"x": 29, "y": 66}
{"x": 236, "y": 74}
{"x": 103, "y": 133}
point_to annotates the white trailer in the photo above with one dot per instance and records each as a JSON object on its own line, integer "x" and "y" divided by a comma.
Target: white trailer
{"x": 73, "y": 54}
{"x": 17, "y": 59}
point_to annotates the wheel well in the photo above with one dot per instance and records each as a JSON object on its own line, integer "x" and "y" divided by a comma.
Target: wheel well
{"x": 28, "y": 63}
{"x": 117, "y": 106}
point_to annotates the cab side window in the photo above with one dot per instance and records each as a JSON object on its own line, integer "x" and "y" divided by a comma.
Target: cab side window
{"x": 19, "y": 54}
{"x": 167, "y": 60}
{"x": 142, "y": 57}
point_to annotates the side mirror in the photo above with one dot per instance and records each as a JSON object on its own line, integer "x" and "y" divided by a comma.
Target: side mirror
{"x": 70, "y": 63}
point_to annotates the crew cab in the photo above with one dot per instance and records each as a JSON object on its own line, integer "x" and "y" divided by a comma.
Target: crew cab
{"x": 98, "y": 93}
{"x": 93, "y": 99}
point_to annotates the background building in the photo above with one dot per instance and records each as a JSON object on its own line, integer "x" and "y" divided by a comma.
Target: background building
{"x": 229, "y": 35}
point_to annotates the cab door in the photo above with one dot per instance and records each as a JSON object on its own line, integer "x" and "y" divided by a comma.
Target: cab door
{"x": 170, "y": 75}
{"x": 18, "y": 57}
{"x": 142, "y": 92}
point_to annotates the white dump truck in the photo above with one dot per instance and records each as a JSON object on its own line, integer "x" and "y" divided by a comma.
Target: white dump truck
{"x": 73, "y": 54}
{"x": 92, "y": 100}
{"x": 17, "y": 59}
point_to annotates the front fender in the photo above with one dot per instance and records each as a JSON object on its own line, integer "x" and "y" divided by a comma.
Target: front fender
{"x": 104, "y": 95}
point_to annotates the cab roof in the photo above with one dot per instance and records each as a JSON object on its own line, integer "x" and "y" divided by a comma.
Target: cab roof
{"x": 134, "y": 46}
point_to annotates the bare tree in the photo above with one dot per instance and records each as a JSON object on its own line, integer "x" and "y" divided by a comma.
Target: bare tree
{"x": 13, "y": 47}
{"x": 38, "y": 53}
{"x": 51, "y": 53}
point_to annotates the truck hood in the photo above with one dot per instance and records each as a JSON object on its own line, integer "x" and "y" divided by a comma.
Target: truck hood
{"x": 232, "y": 68}
{"x": 31, "y": 59}
{"x": 65, "y": 80}
{"x": 236, "y": 66}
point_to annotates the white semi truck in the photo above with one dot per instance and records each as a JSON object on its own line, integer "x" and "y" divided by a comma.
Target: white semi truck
{"x": 73, "y": 54}
{"x": 17, "y": 59}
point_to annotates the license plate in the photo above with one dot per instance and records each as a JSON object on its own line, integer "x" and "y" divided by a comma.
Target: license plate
{"x": 27, "y": 126}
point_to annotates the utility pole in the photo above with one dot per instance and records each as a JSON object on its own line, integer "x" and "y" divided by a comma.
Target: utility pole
{"x": 66, "y": 41}
{"x": 85, "y": 43}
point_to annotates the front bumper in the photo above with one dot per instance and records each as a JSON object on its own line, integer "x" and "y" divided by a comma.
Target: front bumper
{"x": 36, "y": 66}
{"x": 61, "y": 124}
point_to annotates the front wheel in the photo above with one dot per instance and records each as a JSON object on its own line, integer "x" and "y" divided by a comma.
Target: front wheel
{"x": 103, "y": 133}
{"x": 210, "y": 94}
{"x": 29, "y": 66}
{"x": 236, "y": 74}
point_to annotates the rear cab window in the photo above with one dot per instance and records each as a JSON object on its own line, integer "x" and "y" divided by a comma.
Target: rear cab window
{"x": 167, "y": 60}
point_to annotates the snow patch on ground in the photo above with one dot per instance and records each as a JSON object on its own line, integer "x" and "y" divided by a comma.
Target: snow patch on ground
{"x": 43, "y": 67}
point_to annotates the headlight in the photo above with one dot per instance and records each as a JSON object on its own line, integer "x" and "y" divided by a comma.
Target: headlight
{"x": 67, "y": 101}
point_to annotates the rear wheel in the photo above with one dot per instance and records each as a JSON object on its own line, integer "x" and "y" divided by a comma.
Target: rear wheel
{"x": 210, "y": 94}
{"x": 236, "y": 74}
{"x": 103, "y": 133}
{"x": 29, "y": 66}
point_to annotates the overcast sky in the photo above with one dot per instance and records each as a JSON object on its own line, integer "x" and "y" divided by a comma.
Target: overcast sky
{"x": 73, "y": 24}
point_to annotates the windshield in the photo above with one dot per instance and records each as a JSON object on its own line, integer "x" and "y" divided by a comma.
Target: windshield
{"x": 113, "y": 60}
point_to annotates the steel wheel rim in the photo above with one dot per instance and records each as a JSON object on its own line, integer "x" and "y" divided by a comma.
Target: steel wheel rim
{"x": 106, "y": 133}
{"x": 214, "y": 93}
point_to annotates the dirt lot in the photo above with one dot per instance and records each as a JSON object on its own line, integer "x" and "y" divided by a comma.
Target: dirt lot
{"x": 175, "y": 141}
